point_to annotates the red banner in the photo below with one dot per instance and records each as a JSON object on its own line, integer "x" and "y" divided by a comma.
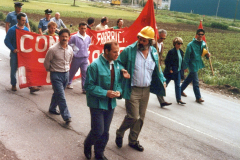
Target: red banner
{"x": 33, "y": 47}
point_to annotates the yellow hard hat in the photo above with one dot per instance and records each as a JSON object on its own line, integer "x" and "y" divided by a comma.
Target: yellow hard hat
{"x": 204, "y": 52}
{"x": 147, "y": 32}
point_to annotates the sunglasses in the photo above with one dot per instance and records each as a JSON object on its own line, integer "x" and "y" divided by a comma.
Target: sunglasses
{"x": 200, "y": 34}
{"x": 180, "y": 43}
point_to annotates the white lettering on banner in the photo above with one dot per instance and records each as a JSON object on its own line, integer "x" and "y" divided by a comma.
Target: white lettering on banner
{"x": 37, "y": 42}
{"x": 52, "y": 41}
{"x": 22, "y": 41}
{"x": 22, "y": 75}
{"x": 103, "y": 37}
{"x": 94, "y": 53}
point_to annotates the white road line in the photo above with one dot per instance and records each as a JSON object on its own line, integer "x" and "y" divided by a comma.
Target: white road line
{"x": 235, "y": 145}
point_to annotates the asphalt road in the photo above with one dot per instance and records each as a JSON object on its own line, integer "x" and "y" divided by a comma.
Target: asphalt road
{"x": 206, "y": 131}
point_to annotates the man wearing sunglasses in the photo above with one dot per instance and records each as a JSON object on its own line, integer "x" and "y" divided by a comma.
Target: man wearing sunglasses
{"x": 159, "y": 45}
{"x": 193, "y": 61}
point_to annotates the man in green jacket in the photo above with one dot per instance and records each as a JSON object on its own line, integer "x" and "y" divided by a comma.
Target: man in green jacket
{"x": 140, "y": 59}
{"x": 102, "y": 88}
{"x": 193, "y": 61}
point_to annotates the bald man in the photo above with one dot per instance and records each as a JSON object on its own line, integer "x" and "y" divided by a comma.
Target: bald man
{"x": 59, "y": 22}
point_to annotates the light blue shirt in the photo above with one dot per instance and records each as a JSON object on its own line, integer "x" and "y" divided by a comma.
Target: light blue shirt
{"x": 43, "y": 23}
{"x": 59, "y": 23}
{"x": 179, "y": 60}
{"x": 143, "y": 70}
{"x": 12, "y": 18}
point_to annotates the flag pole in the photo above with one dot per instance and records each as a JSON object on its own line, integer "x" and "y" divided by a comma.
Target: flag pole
{"x": 210, "y": 60}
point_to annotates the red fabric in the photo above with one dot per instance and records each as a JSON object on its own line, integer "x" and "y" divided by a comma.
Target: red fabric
{"x": 201, "y": 27}
{"x": 33, "y": 47}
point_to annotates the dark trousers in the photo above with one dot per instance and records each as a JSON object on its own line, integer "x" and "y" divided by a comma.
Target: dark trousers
{"x": 59, "y": 82}
{"x": 177, "y": 81}
{"x": 99, "y": 133}
{"x": 192, "y": 77}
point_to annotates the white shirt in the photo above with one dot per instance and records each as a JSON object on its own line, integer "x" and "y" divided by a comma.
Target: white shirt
{"x": 159, "y": 46}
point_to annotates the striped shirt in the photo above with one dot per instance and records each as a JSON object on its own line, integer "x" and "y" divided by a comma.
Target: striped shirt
{"x": 143, "y": 70}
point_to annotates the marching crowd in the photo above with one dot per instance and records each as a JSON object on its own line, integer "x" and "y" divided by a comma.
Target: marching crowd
{"x": 132, "y": 75}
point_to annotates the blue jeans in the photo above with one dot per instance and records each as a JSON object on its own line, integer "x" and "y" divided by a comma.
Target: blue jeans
{"x": 192, "y": 77}
{"x": 14, "y": 67}
{"x": 99, "y": 134}
{"x": 177, "y": 81}
{"x": 59, "y": 82}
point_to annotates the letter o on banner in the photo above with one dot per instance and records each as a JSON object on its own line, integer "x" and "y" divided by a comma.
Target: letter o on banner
{"x": 37, "y": 43}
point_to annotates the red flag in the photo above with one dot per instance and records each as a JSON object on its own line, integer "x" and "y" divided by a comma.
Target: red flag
{"x": 201, "y": 27}
{"x": 146, "y": 18}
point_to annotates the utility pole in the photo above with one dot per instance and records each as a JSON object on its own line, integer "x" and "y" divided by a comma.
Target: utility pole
{"x": 217, "y": 8}
{"x": 236, "y": 11}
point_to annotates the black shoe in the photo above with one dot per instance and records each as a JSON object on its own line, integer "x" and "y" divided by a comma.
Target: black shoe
{"x": 87, "y": 151}
{"x": 183, "y": 94}
{"x": 137, "y": 146}
{"x": 180, "y": 102}
{"x": 165, "y": 104}
{"x": 100, "y": 157}
{"x": 54, "y": 112}
{"x": 119, "y": 142}
{"x": 68, "y": 120}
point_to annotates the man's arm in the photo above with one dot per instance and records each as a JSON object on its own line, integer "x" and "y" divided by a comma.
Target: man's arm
{"x": 7, "y": 26}
{"x": 40, "y": 27}
{"x": 91, "y": 82}
{"x": 8, "y": 39}
{"x": 62, "y": 24}
{"x": 47, "y": 60}
{"x": 186, "y": 58}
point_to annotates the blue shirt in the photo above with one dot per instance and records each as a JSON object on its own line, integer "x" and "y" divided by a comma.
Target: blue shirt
{"x": 12, "y": 18}
{"x": 143, "y": 70}
{"x": 59, "y": 23}
{"x": 10, "y": 39}
{"x": 43, "y": 23}
{"x": 179, "y": 60}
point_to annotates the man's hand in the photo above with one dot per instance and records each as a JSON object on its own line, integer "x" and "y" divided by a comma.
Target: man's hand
{"x": 164, "y": 85}
{"x": 113, "y": 94}
{"x": 125, "y": 74}
{"x": 15, "y": 51}
{"x": 185, "y": 70}
{"x": 171, "y": 71}
{"x": 208, "y": 55}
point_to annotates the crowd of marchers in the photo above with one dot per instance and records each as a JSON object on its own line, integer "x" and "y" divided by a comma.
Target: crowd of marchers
{"x": 133, "y": 74}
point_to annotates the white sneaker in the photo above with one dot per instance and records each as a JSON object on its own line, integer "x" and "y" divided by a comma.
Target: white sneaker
{"x": 69, "y": 86}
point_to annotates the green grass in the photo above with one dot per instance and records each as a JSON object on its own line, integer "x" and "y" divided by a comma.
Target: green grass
{"x": 223, "y": 46}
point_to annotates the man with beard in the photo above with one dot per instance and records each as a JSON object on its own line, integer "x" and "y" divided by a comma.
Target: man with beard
{"x": 140, "y": 59}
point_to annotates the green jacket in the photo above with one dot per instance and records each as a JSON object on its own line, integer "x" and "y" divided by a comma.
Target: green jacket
{"x": 98, "y": 81}
{"x": 193, "y": 56}
{"x": 127, "y": 59}
{"x": 116, "y": 27}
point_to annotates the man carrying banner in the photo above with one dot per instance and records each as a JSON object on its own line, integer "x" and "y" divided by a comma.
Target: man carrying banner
{"x": 52, "y": 26}
{"x": 42, "y": 26}
{"x": 80, "y": 43}
{"x": 10, "y": 42}
{"x": 11, "y": 18}
{"x": 140, "y": 59}
{"x": 159, "y": 45}
{"x": 103, "y": 87}
{"x": 103, "y": 25}
{"x": 57, "y": 62}
{"x": 119, "y": 24}
{"x": 193, "y": 61}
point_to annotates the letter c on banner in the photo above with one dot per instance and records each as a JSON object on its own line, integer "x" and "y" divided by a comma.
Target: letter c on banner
{"x": 22, "y": 41}
{"x": 37, "y": 42}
